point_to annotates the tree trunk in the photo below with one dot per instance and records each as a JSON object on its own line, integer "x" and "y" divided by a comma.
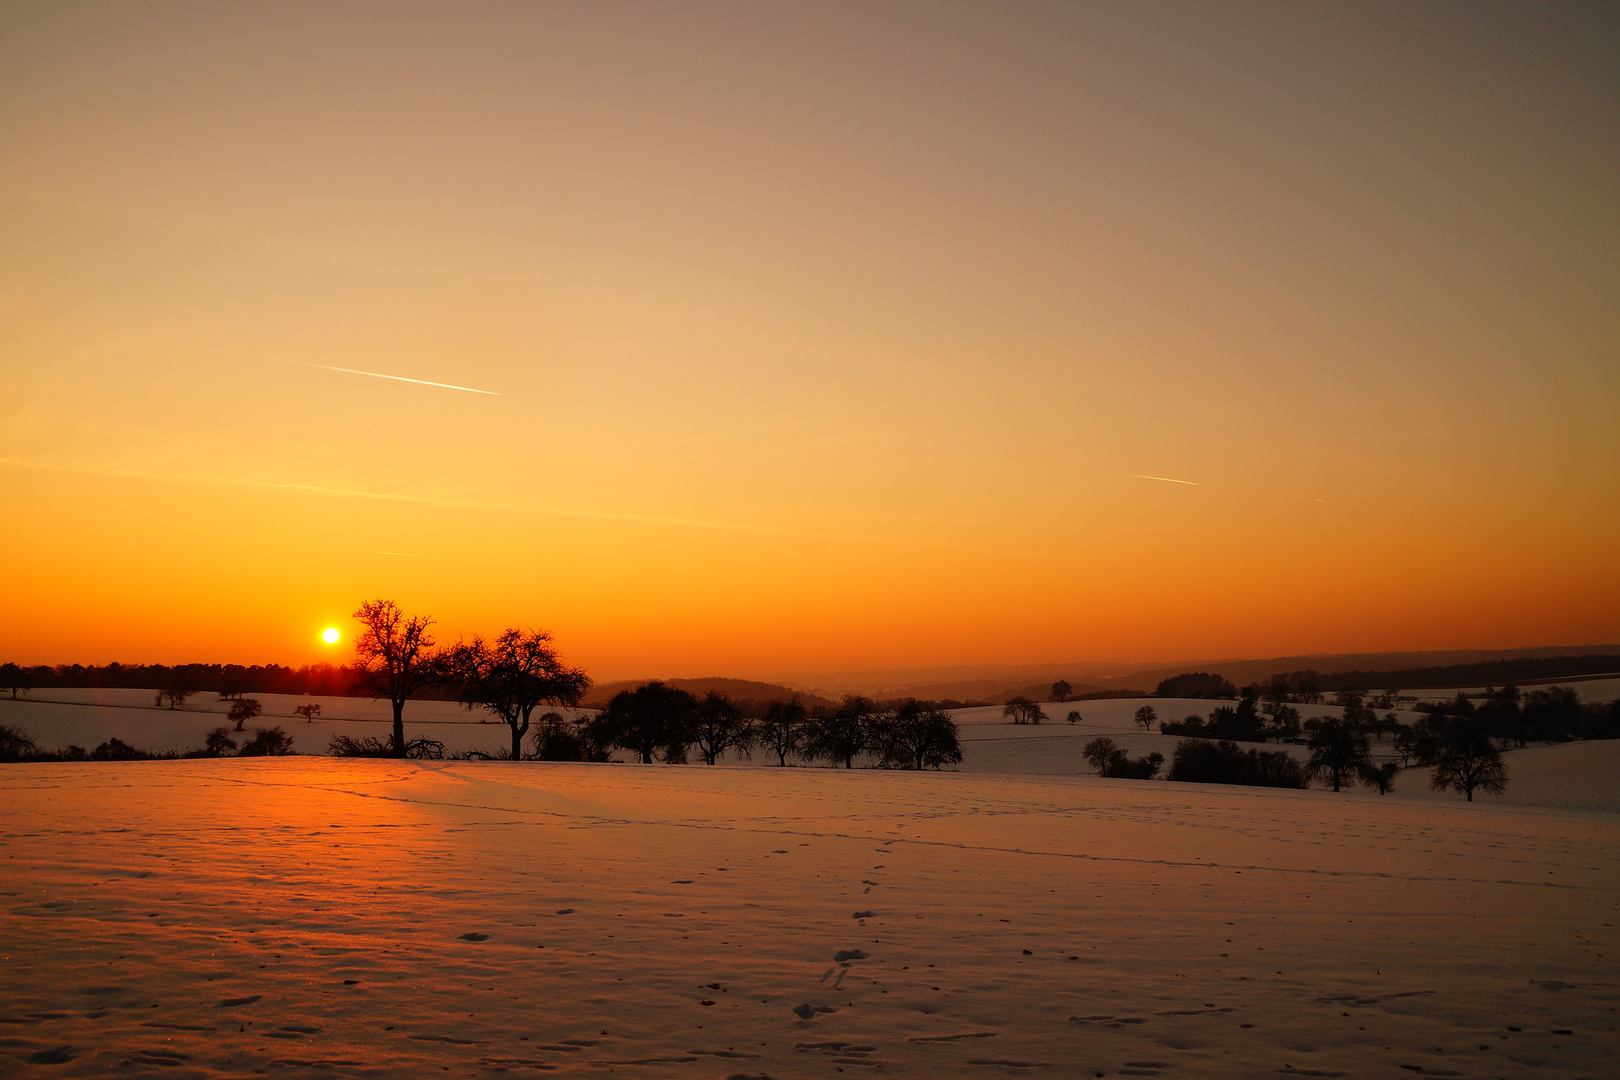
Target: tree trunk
{"x": 399, "y": 728}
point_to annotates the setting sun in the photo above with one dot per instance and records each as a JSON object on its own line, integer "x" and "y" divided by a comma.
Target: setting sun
{"x": 330, "y": 635}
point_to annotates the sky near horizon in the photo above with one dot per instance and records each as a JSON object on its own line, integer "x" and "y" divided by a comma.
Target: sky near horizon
{"x": 762, "y": 340}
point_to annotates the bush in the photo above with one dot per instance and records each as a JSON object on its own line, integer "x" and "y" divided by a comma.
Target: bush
{"x": 272, "y": 742}
{"x": 16, "y": 744}
{"x": 1199, "y": 761}
{"x": 1109, "y": 760}
{"x": 343, "y": 746}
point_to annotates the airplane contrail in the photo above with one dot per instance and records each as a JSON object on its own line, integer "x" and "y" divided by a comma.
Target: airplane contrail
{"x": 397, "y": 378}
{"x": 1166, "y": 479}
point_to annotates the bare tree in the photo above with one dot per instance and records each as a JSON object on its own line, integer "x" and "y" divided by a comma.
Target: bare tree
{"x": 396, "y": 660}
{"x": 1467, "y": 762}
{"x": 1023, "y": 711}
{"x": 1061, "y": 690}
{"x": 719, "y": 726}
{"x": 918, "y": 736}
{"x": 1146, "y": 718}
{"x": 220, "y": 743}
{"x": 271, "y": 742}
{"x": 845, "y": 735}
{"x": 174, "y": 696}
{"x": 652, "y": 717}
{"x": 242, "y": 710}
{"x": 514, "y": 675}
{"x": 308, "y": 712}
{"x": 1074, "y": 716}
{"x": 1339, "y": 753}
{"x": 782, "y": 728}
{"x": 14, "y": 679}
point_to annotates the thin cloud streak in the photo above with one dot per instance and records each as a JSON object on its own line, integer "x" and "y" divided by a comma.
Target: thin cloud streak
{"x": 468, "y": 504}
{"x": 1166, "y": 479}
{"x": 395, "y": 378}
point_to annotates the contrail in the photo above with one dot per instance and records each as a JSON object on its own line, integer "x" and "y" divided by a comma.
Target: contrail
{"x": 1166, "y": 479}
{"x": 397, "y": 378}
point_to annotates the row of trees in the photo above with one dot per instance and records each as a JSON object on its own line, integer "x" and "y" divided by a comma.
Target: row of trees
{"x": 18, "y": 745}
{"x": 658, "y": 722}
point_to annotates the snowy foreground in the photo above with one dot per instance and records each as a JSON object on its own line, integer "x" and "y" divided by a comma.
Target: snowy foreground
{"x": 313, "y": 916}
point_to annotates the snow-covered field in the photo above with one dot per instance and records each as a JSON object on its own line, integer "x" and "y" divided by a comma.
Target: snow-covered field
{"x": 314, "y": 916}
{"x": 1580, "y": 775}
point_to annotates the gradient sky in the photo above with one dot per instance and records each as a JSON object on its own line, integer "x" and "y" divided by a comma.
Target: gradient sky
{"x": 817, "y": 337}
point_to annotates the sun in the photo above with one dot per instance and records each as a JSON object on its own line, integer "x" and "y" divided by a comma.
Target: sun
{"x": 330, "y": 635}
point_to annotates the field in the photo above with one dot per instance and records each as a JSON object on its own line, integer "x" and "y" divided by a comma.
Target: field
{"x": 335, "y": 917}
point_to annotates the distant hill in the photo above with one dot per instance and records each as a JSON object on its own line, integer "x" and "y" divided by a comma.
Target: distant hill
{"x": 738, "y": 690}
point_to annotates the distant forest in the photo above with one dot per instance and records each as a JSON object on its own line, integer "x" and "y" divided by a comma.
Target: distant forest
{"x": 329, "y": 680}
{"x": 326, "y": 680}
{"x": 1521, "y": 670}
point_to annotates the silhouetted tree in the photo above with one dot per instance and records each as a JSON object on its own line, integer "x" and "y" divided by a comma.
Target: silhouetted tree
{"x": 220, "y": 743}
{"x": 309, "y": 712}
{"x": 12, "y": 679}
{"x": 1381, "y": 778}
{"x": 396, "y": 660}
{"x": 243, "y": 710}
{"x": 919, "y": 736}
{"x": 1467, "y": 762}
{"x": 1074, "y": 716}
{"x": 1284, "y": 720}
{"x": 1109, "y": 760}
{"x": 174, "y": 695}
{"x": 1146, "y": 717}
{"x": 1023, "y": 711}
{"x": 1061, "y": 690}
{"x": 1339, "y": 753}
{"x": 15, "y": 743}
{"x": 845, "y": 735}
{"x": 718, "y": 726}
{"x": 651, "y": 718}
{"x": 268, "y": 742}
{"x": 512, "y": 676}
{"x": 1099, "y": 751}
{"x": 782, "y": 728}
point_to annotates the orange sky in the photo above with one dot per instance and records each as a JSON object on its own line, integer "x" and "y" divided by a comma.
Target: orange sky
{"x": 817, "y": 338}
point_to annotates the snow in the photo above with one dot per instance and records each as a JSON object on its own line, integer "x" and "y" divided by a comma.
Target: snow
{"x": 310, "y": 915}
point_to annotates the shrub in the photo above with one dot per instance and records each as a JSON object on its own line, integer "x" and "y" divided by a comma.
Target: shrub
{"x": 271, "y": 742}
{"x": 16, "y": 744}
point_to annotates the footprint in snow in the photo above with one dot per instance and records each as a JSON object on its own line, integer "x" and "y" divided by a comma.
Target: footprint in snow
{"x": 474, "y": 937}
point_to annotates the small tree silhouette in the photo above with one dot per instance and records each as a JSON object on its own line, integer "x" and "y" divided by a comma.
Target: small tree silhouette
{"x": 1146, "y": 718}
{"x": 243, "y": 710}
{"x": 14, "y": 679}
{"x": 1339, "y": 753}
{"x": 1099, "y": 752}
{"x": 268, "y": 743}
{"x": 782, "y": 728}
{"x": 1381, "y": 778}
{"x": 1074, "y": 716}
{"x": 918, "y": 736}
{"x": 308, "y": 712}
{"x": 1061, "y": 690}
{"x": 845, "y": 735}
{"x": 1468, "y": 762}
{"x": 220, "y": 743}
{"x": 15, "y": 743}
{"x": 718, "y": 727}
{"x": 651, "y": 718}
{"x": 1023, "y": 711}
{"x": 174, "y": 695}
